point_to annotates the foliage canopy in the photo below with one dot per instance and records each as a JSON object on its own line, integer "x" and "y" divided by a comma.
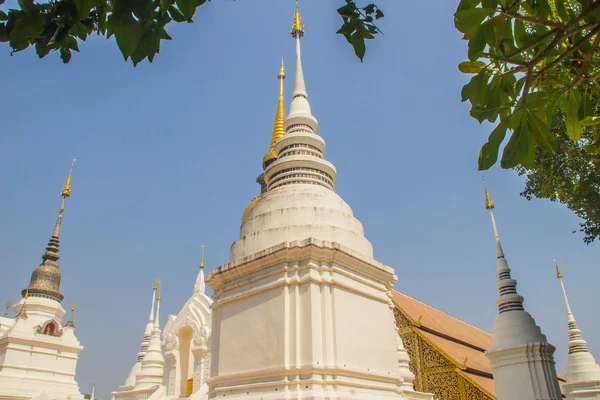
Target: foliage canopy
{"x": 571, "y": 177}
{"x": 531, "y": 58}
{"x": 138, "y": 25}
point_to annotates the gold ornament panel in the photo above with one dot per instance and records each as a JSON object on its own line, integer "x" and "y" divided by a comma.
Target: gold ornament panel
{"x": 434, "y": 372}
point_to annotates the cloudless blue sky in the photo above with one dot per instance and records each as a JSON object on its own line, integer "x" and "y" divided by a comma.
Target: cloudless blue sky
{"x": 167, "y": 154}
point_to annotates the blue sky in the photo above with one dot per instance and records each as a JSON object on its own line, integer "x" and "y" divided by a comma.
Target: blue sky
{"x": 168, "y": 153}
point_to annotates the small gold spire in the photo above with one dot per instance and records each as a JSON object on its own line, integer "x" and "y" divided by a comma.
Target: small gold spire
{"x": 66, "y": 192}
{"x": 155, "y": 286}
{"x": 159, "y": 297}
{"x": 489, "y": 204}
{"x": 278, "y": 131}
{"x": 7, "y": 308}
{"x": 70, "y": 322}
{"x": 202, "y": 259}
{"x": 558, "y": 271}
{"x": 297, "y": 28}
{"x": 464, "y": 364}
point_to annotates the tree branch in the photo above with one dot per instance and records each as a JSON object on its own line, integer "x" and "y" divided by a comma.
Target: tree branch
{"x": 586, "y": 62}
{"x": 569, "y": 51}
{"x": 534, "y": 20}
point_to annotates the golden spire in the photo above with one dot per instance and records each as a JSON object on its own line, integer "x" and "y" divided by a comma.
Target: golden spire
{"x": 159, "y": 298}
{"x": 155, "y": 286}
{"x": 23, "y": 310}
{"x": 66, "y": 192}
{"x": 202, "y": 259}
{"x": 489, "y": 204}
{"x": 7, "y": 308}
{"x": 558, "y": 272}
{"x": 297, "y": 28}
{"x": 70, "y": 322}
{"x": 278, "y": 131}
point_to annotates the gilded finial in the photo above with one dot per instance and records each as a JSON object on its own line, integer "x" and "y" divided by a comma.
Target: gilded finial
{"x": 420, "y": 320}
{"x": 159, "y": 297}
{"x": 202, "y": 259}
{"x": 281, "y": 73}
{"x": 278, "y": 130}
{"x": 559, "y": 274}
{"x": 70, "y": 322}
{"x": 7, "y": 308}
{"x": 155, "y": 286}
{"x": 489, "y": 204}
{"x": 464, "y": 364}
{"x": 66, "y": 192}
{"x": 297, "y": 29}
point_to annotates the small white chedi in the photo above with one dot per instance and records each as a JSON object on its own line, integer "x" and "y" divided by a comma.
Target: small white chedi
{"x": 177, "y": 367}
{"x": 38, "y": 354}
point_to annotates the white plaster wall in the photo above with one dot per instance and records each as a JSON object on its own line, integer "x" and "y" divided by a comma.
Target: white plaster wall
{"x": 306, "y": 320}
{"x": 251, "y": 334}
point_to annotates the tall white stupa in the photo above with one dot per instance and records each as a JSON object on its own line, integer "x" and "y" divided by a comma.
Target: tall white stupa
{"x": 583, "y": 374}
{"x": 38, "y": 354}
{"x": 521, "y": 357}
{"x": 302, "y": 310}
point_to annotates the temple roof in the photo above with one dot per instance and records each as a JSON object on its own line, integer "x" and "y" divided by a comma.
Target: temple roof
{"x": 456, "y": 339}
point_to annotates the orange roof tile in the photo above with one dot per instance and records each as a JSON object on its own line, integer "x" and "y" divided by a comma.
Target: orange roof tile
{"x": 475, "y": 359}
{"x": 441, "y": 322}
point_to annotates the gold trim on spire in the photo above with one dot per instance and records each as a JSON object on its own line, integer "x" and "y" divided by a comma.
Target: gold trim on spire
{"x": 73, "y": 307}
{"x": 155, "y": 286}
{"x": 278, "y": 131}
{"x": 297, "y": 27}
{"x": 489, "y": 204}
{"x": 202, "y": 259}
{"x": 159, "y": 297}
{"x": 559, "y": 274}
{"x": 66, "y": 192}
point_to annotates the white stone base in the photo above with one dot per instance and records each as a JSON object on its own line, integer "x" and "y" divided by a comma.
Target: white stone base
{"x": 308, "y": 319}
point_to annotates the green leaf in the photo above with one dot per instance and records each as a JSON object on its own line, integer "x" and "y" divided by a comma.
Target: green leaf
{"x": 3, "y": 32}
{"x": 72, "y": 43}
{"x": 3, "y": 16}
{"x": 561, "y": 10}
{"x": 65, "y": 55}
{"x": 176, "y": 14}
{"x": 471, "y": 67}
{"x": 370, "y": 9}
{"x": 164, "y": 6}
{"x": 520, "y": 149}
{"x": 477, "y": 42}
{"x": 358, "y": 43}
{"x": 488, "y": 155}
{"x": 520, "y": 33}
{"x": 541, "y": 131}
{"x": 569, "y": 103}
{"x": 127, "y": 31}
{"x": 590, "y": 121}
{"x": 465, "y": 20}
{"x": 187, "y": 8}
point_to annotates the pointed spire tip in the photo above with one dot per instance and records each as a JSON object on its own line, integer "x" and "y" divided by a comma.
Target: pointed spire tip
{"x": 489, "y": 204}
{"x": 559, "y": 274}
{"x": 297, "y": 28}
